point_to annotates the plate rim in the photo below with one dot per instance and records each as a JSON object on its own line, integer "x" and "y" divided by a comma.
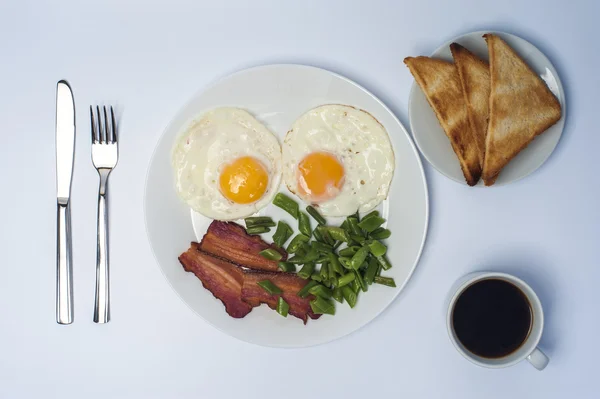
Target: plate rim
{"x": 561, "y": 92}
{"x": 413, "y": 147}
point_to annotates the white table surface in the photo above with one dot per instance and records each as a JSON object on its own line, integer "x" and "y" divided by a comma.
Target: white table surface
{"x": 149, "y": 58}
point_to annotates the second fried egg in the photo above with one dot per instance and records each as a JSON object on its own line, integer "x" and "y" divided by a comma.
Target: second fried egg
{"x": 338, "y": 158}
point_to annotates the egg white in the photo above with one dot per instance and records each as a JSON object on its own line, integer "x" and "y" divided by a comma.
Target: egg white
{"x": 206, "y": 145}
{"x": 358, "y": 141}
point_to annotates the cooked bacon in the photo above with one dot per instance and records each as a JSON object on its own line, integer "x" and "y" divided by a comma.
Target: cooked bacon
{"x": 220, "y": 277}
{"x": 229, "y": 241}
{"x": 289, "y": 283}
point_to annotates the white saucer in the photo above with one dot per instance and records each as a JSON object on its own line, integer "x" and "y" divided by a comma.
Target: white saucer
{"x": 435, "y": 146}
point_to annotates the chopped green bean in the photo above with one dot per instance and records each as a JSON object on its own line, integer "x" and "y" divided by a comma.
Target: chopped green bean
{"x": 371, "y": 271}
{"x": 287, "y": 204}
{"x": 286, "y": 267}
{"x": 304, "y": 224}
{"x": 361, "y": 282}
{"x": 337, "y": 244}
{"x": 371, "y": 223}
{"x": 345, "y": 262}
{"x": 316, "y": 215}
{"x": 270, "y": 254}
{"x": 327, "y": 239}
{"x": 255, "y": 221}
{"x": 322, "y": 259}
{"x": 333, "y": 283}
{"x": 318, "y": 235}
{"x": 257, "y": 230}
{"x": 337, "y": 233}
{"x": 301, "y": 252}
{"x": 321, "y": 290}
{"x": 377, "y": 248}
{"x": 322, "y": 306}
{"x": 296, "y": 242}
{"x": 303, "y": 293}
{"x": 269, "y": 287}
{"x": 384, "y": 262}
{"x": 380, "y": 233}
{"x": 335, "y": 264}
{"x": 385, "y": 281}
{"x": 324, "y": 273}
{"x": 359, "y": 257}
{"x": 337, "y": 295}
{"x": 306, "y": 270}
{"x": 354, "y": 227}
{"x": 282, "y": 307}
{"x": 350, "y": 296}
{"x": 370, "y": 214}
{"x": 315, "y": 276}
{"x": 321, "y": 247}
{"x": 282, "y": 233}
{"x": 311, "y": 256}
{"x": 346, "y": 279}
{"x": 355, "y": 286}
{"x": 304, "y": 248}
{"x": 344, "y": 224}
{"x": 332, "y": 272}
{"x": 358, "y": 239}
{"x": 349, "y": 251}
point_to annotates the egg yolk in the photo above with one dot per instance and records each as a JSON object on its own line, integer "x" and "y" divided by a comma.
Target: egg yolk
{"x": 244, "y": 180}
{"x": 320, "y": 176}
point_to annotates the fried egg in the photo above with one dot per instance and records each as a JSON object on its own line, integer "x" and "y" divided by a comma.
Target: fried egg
{"x": 339, "y": 159}
{"x": 227, "y": 165}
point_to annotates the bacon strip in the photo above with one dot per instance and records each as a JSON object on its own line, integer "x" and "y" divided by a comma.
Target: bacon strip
{"x": 222, "y": 278}
{"x": 289, "y": 283}
{"x": 229, "y": 241}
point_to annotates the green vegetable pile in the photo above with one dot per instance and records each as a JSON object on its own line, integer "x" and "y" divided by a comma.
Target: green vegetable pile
{"x": 350, "y": 257}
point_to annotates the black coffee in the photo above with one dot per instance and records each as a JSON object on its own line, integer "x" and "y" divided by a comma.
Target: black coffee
{"x": 492, "y": 318}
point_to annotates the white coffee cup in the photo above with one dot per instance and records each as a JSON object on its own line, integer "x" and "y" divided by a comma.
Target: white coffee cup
{"x": 528, "y": 349}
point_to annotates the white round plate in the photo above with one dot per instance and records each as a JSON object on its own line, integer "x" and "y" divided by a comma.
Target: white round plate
{"x": 276, "y": 95}
{"x": 435, "y": 146}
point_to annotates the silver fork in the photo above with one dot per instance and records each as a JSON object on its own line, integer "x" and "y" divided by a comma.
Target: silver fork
{"x": 105, "y": 154}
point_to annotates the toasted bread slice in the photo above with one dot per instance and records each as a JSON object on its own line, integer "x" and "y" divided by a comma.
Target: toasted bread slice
{"x": 521, "y": 107}
{"x": 440, "y": 82}
{"x": 474, "y": 76}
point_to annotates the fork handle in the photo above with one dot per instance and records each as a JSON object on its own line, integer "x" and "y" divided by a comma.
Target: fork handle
{"x": 64, "y": 270}
{"x": 102, "y": 301}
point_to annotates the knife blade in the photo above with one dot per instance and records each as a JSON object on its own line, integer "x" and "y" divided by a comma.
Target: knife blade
{"x": 65, "y": 154}
{"x": 65, "y": 140}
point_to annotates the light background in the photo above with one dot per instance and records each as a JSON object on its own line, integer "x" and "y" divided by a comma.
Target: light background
{"x": 149, "y": 58}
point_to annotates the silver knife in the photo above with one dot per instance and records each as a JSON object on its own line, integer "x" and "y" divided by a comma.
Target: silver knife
{"x": 65, "y": 152}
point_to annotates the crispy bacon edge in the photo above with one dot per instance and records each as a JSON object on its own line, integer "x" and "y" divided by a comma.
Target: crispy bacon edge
{"x": 238, "y": 289}
{"x": 230, "y": 241}
{"x": 223, "y": 279}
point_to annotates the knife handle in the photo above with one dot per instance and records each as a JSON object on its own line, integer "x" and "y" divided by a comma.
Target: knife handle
{"x": 64, "y": 270}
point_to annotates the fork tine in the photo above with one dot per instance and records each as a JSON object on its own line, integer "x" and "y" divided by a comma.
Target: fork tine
{"x": 93, "y": 127}
{"x": 113, "y": 125}
{"x": 107, "y": 137}
{"x": 101, "y": 136}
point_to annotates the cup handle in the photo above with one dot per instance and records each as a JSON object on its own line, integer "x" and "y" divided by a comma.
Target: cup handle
{"x": 538, "y": 359}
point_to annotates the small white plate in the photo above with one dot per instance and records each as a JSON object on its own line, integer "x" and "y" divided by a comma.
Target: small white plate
{"x": 435, "y": 146}
{"x": 276, "y": 95}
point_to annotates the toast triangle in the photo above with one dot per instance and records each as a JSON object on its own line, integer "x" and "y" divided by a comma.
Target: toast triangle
{"x": 440, "y": 82}
{"x": 474, "y": 75}
{"x": 521, "y": 107}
